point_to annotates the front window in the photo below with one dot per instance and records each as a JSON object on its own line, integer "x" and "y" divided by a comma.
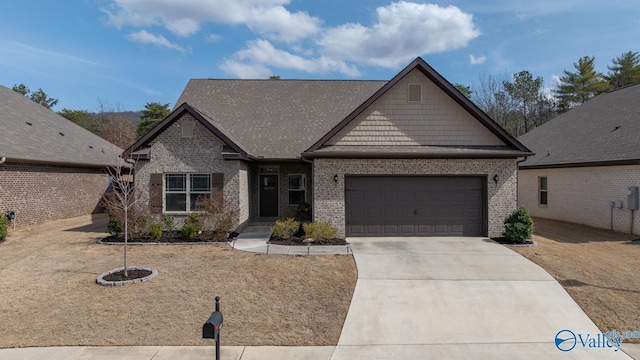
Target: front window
{"x": 296, "y": 189}
{"x": 542, "y": 188}
{"x": 183, "y": 190}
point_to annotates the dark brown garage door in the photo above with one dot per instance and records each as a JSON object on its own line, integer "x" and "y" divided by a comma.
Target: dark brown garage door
{"x": 415, "y": 206}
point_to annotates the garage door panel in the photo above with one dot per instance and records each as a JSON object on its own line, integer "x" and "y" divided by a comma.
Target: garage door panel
{"x": 426, "y": 206}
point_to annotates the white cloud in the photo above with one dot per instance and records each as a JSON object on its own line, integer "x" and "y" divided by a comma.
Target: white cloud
{"x": 262, "y": 53}
{"x": 404, "y": 30}
{"x": 244, "y": 70}
{"x": 213, "y": 38}
{"x": 280, "y": 24}
{"x": 185, "y": 17}
{"x": 477, "y": 60}
{"x": 145, "y": 37}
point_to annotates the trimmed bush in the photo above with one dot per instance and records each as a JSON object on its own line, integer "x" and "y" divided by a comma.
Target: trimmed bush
{"x": 285, "y": 228}
{"x": 155, "y": 231}
{"x": 169, "y": 223}
{"x": 518, "y": 226}
{"x": 319, "y": 230}
{"x": 189, "y": 232}
{"x": 194, "y": 220}
{"x": 114, "y": 226}
{"x": 4, "y": 222}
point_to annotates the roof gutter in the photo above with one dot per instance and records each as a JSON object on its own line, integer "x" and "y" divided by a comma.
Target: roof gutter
{"x": 408, "y": 155}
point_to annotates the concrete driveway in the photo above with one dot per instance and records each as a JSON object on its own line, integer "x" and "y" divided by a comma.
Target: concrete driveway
{"x": 458, "y": 298}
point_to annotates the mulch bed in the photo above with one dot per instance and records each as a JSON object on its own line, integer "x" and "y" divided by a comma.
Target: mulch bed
{"x": 299, "y": 241}
{"x": 172, "y": 237}
{"x": 132, "y": 275}
{"x": 505, "y": 241}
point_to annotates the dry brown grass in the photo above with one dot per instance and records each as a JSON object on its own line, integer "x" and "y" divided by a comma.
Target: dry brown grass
{"x": 49, "y": 295}
{"x": 599, "y": 269}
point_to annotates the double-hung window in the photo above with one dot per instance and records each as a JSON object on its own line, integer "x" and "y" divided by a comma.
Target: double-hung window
{"x": 542, "y": 189}
{"x": 297, "y": 187}
{"x": 182, "y": 191}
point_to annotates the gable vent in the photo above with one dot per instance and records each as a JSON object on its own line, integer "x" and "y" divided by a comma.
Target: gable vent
{"x": 415, "y": 93}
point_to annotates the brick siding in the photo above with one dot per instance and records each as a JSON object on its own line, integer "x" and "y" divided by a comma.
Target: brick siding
{"x": 582, "y": 195}
{"x": 171, "y": 153}
{"x": 329, "y": 202}
{"x": 38, "y": 193}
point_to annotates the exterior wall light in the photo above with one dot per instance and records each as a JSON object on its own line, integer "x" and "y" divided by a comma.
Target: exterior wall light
{"x": 496, "y": 178}
{"x": 335, "y": 177}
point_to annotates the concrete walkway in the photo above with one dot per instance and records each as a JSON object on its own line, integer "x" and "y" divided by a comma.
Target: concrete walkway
{"x": 254, "y": 239}
{"x": 457, "y": 298}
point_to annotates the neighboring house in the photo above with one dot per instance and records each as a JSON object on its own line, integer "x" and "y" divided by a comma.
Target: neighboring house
{"x": 586, "y": 160}
{"x": 409, "y": 157}
{"x": 50, "y": 168}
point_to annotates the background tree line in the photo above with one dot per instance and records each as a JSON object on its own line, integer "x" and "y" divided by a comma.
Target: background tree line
{"x": 518, "y": 103}
{"x": 521, "y": 102}
{"x": 111, "y": 124}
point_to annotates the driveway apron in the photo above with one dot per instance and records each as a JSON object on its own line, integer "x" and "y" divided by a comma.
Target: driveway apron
{"x": 457, "y": 298}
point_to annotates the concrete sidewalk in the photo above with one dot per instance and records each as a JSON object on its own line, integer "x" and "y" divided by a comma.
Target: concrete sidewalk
{"x": 254, "y": 239}
{"x": 168, "y": 353}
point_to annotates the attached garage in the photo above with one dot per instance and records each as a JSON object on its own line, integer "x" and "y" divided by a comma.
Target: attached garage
{"x": 416, "y": 205}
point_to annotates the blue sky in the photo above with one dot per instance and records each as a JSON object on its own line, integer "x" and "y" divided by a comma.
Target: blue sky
{"x": 125, "y": 53}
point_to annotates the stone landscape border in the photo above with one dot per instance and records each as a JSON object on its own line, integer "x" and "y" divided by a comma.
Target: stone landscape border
{"x": 100, "y": 280}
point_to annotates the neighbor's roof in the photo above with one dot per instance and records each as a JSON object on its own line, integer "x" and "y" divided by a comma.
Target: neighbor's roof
{"x": 29, "y": 132}
{"x": 276, "y": 119}
{"x": 603, "y": 131}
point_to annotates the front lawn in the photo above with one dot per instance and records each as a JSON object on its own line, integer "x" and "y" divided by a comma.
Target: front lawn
{"x": 598, "y": 268}
{"x": 50, "y": 298}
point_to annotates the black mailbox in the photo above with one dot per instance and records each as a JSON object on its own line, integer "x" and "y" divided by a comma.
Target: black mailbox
{"x": 211, "y": 328}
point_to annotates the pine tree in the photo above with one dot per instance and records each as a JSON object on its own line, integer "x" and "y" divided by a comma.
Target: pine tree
{"x": 577, "y": 87}
{"x": 153, "y": 113}
{"x": 625, "y": 70}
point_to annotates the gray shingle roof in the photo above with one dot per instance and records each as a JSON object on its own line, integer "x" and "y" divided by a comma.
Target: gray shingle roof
{"x": 276, "y": 118}
{"x": 604, "y": 129}
{"x": 32, "y": 133}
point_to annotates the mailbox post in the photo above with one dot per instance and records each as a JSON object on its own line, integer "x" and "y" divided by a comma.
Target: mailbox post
{"x": 211, "y": 328}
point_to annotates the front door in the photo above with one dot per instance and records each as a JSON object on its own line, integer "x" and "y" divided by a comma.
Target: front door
{"x": 268, "y": 195}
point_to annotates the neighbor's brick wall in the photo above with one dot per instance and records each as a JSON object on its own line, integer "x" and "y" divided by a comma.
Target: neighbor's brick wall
{"x": 38, "y": 193}
{"x": 284, "y": 169}
{"x": 582, "y": 195}
{"x": 329, "y": 203}
{"x": 170, "y": 153}
{"x": 436, "y": 120}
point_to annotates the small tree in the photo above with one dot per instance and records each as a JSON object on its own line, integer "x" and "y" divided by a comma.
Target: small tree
{"x": 121, "y": 202}
{"x": 518, "y": 226}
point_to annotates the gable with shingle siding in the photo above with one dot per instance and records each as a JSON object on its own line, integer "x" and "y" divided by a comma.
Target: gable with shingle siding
{"x": 434, "y": 120}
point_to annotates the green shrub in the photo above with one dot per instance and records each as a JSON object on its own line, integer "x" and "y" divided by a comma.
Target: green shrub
{"x": 114, "y": 226}
{"x": 319, "y": 230}
{"x": 285, "y": 228}
{"x": 155, "y": 231}
{"x": 169, "y": 223}
{"x": 3, "y": 226}
{"x": 189, "y": 232}
{"x": 194, "y": 220}
{"x": 518, "y": 227}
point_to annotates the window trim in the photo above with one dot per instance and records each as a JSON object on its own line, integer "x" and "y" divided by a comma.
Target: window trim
{"x": 187, "y": 192}
{"x": 302, "y": 188}
{"x": 541, "y": 191}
